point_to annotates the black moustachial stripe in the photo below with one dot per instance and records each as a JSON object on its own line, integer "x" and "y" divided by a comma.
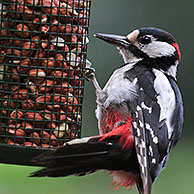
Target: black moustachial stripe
{"x": 157, "y": 62}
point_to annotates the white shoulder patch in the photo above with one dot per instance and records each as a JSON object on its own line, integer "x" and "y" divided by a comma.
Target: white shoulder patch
{"x": 166, "y": 98}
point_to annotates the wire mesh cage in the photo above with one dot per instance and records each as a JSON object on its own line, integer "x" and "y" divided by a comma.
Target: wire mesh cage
{"x": 43, "y": 46}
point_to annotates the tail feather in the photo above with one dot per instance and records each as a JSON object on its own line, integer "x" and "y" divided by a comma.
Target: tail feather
{"x": 72, "y": 159}
{"x": 83, "y": 156}
{"x": 86, "y": 156}
{"x": 63, "y": 171}
{"x": 70, "y": 153}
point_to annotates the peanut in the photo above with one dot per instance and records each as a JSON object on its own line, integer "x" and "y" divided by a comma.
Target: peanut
{"x": 39, "y": 57}
{"x": 27, "y": 127}
{"x": 61, "y": 129}
{"x": 9, "y": 104}
{"x": 14, "y": 53}
{"x": 34, "y": 138}
{"x": 59, "y": 76}
{"x": 49, "y": 64}
{"x": 30, "y": 144}
{"x": 34, "y": 116}
{"x": 51, "y": 125}
{"x": 22, "y": 31}
{"x": 32, "y": 88}
{"x": 21, "y": 95}
{"x": 45, "y": 137}
{"x": 48, "y": 115}
{"x": 58, "y": 98}
{"x": 24, "y": 66}
{"x": 46, "y": 86}
{"x": 28, "y": 48}
{"x": 16, "y": 114}
{"x": 28, "y": 105}
{"x": 32, "y": 2}
{"x": 55, "y": 107}
{"x": 26, "y": 12}
{"x": 64, "y": 88}
{"x": 47, "y": 146}
{"x": 49, "y": 7}
{"x": 37, "y": 75}
{"x": 14, "y": 11}
{"x": 19, "y": 134}
{"x": 61, "y": 115}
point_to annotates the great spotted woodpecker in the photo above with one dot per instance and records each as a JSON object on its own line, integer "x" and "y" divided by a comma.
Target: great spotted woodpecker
{"x": 139, "y": 112}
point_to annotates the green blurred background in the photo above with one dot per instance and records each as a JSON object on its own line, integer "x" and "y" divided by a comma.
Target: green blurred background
{"x": 120, "y": 17}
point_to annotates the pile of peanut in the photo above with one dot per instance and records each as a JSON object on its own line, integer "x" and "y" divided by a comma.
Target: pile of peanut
{"x": 42, "y": 59}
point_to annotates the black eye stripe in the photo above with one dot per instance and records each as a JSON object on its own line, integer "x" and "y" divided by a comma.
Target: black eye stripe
{"x": 145, "y": 40}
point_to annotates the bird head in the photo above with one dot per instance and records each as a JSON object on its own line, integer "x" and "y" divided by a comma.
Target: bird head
{"x": 152, "y": 46}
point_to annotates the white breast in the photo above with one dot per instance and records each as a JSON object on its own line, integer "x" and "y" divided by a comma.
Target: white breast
{"x": 118, "y": 88}
{"x": 166, "y": 98}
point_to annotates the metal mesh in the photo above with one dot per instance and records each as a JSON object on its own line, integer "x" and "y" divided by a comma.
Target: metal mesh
{"x": 42, "y": 57}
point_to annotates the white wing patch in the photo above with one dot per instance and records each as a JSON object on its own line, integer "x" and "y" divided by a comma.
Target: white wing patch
{"x": 146, "y": 107}
{"x": 154, "y": 161}
{"x": 138, "y": 108}
{"x": 141, "y": 147}
{"x": 165, "y": 98}
{"x": 151, "y": 151}
{"x": 154, "y": 138}
{"x": 141, "y": 124}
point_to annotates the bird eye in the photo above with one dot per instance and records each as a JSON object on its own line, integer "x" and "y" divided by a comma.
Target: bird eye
{"x": 145, "y": 40}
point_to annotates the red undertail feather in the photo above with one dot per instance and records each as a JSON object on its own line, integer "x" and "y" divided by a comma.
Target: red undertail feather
{"x": 110, "y": 119}
{"x": 125, "y": 130}
{"x": 124, "y": 179}
{"x": 114, "y": 116}
{"x": 116, "y": 123}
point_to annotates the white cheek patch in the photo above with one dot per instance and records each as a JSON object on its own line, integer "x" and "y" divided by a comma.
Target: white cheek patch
{"x": 158, "y": 49}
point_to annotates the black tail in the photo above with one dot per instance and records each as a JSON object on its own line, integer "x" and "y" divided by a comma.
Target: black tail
{"x": 86, "y": 156}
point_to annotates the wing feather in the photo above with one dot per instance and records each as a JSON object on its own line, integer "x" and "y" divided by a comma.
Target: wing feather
{"x": 151, "y": 134}
{"x": 141, "y": 150}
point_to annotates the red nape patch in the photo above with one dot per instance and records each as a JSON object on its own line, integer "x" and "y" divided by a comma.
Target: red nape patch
{"x": 125, "y": 130}
{"x": 176, "y": 46}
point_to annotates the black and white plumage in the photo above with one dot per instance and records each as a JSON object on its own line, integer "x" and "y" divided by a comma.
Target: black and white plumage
{"x": 151, "y": 125}
{"x": 139, "y": 111}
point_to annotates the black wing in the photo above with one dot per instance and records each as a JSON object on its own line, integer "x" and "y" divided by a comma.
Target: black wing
{"x": 150, "y": 133}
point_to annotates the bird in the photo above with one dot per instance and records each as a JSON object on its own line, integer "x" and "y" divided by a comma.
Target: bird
{"x": 139, "y": 113}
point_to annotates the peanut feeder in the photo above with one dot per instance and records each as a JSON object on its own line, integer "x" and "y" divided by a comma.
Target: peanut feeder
{"x": 43, "y": 47}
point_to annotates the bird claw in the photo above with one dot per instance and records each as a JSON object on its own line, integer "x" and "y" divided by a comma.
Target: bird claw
{"x": 89, "y": 73}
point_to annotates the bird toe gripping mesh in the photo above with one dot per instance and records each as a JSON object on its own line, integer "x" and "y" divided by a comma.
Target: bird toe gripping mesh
{"x": 42, "y": 58}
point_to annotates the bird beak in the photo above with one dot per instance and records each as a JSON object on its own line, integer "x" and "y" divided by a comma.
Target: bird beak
{"x": 116, "y": 40}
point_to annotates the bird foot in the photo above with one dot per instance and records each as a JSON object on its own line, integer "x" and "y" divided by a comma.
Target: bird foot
{"x": 89, "y": 73}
